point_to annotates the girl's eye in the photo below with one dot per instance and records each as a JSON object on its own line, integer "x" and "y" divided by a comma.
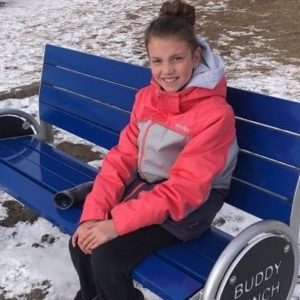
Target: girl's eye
{"x": 178, "y": 58}
{"x": 155, "y": 61}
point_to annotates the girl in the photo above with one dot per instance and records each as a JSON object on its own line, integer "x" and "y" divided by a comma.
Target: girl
{"x": 168, "y": 176}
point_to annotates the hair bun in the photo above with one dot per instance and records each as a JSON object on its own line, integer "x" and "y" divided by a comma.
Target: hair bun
{"x": 179, "y": 9}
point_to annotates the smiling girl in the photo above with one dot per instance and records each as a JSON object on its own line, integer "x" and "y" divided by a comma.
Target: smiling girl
{"x": 172, "y": 62}
{"x": 169, "y": 174}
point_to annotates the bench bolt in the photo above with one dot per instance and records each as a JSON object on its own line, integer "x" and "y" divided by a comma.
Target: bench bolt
{"x": 232, "y": 280}
{"x": 287, "y": 248}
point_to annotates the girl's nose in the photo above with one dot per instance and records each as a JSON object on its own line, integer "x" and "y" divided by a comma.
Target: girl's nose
{"x": 168, "y": 68}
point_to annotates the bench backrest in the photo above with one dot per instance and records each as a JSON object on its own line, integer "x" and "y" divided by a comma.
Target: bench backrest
{"x": 92, "y": 97}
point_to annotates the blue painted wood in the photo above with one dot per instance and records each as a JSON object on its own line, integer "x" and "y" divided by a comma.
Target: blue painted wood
{"x": 250, "y": 105}
{"x": 268, "y": 142}
{"x": 51, "y": 178}
{"x": 89, "y": 131}
{"x": 38, "y": 198}
{"x": 34, "y": 172}
{"x": 98, "y": 113}
{"x": 267, "y": 174}
{"x": 197, "y": 256}
{"x": 165, "y": 280}
{"x": 186, "y": 260}
{"x": 91, "y": 87}
{"x": 265, "y": 109}
{"x": 46, "y": 163}
{"x": 74, "y": 164}
{"x": 211, "y": 244}
{"x": 111, "y": 70}
{"x": 259, "y": 203}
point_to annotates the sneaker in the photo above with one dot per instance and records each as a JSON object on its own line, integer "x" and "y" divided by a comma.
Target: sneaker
{"x": 138, "y": 295}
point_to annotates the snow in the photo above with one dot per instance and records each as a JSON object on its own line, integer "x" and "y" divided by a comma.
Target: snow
{"x": 110, "y": 28}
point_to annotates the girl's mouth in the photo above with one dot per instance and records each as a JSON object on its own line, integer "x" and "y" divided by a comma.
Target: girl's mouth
{"x": 170, "y": 80}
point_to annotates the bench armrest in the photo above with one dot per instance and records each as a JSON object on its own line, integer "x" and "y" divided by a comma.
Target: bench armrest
{"x": 221, "y": 274}
{"x": 17, "y": 123}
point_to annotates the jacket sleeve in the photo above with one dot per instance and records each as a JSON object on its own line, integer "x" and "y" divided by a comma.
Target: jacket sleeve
{"x": 190, "y": 179}
{"x": 119, "y": 167}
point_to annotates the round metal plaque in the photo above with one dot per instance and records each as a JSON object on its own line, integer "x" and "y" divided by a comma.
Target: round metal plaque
{"x": 263, "y": 270}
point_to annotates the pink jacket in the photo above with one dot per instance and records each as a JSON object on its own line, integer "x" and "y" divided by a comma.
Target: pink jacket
{"x": 187, "y": 139}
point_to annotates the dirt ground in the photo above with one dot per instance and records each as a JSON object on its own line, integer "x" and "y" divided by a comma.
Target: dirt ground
{"x": 276, "y": 21}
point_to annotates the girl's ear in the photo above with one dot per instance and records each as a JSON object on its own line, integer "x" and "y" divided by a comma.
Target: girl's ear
{"x": 196, "y": 57}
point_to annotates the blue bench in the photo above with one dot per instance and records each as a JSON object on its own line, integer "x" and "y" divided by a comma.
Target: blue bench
{"x": 92, "y": 97}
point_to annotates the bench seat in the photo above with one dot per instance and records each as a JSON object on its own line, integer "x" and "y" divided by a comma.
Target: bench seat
{"x": 32, "y": 171}
{"x": 35, "y": 171}
{"x": 183, "y": 268}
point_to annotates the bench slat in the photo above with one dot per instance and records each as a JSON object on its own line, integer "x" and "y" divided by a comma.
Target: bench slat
{"x": 268, "y": 142}
{"x": 267, "y": 174}
{"x": 258, "y": 202}
{"x": 188, "y": 261}
{"x": 35, "y": 196}
{"x": 211, "y": 243}
{"x": 27, "y": 168}
{"x": 169, "y": 283}
{"x": 98, "y": 113}
{"x": 265, "y": 109}
{"x": 109, "y": 69}
{"x": 107, "y": 92}
{"x": 43, "y": 167}
{"x": 69, "y": 161}
{"x": 89, "y": 131}
{"x": 48, "y": 178}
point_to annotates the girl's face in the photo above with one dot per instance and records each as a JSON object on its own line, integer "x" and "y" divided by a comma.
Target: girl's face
{"x": 172, "y": 62}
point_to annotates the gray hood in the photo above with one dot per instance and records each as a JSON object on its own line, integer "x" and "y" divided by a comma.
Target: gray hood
{"x": 211, "y": 69}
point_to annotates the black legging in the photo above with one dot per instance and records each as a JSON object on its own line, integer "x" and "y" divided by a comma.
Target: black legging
{"x": 107, "y": 271}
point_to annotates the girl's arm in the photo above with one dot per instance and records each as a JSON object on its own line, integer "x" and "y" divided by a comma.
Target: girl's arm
{"x": 119, "y": 167}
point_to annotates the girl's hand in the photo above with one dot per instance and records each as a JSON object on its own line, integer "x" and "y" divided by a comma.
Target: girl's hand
{"x": 80, "y": 234}
{"x": 98, "y": 234}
